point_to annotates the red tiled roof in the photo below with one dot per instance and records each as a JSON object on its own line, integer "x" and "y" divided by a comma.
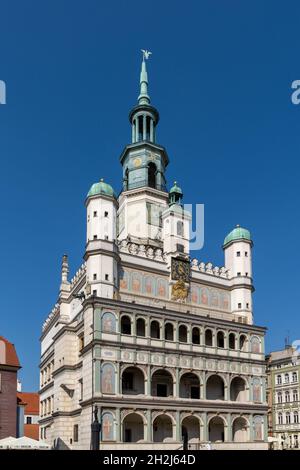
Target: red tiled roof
{"x": 32, "y": 431}
{"x": 20, "y": 402}
{"x": 11, "y": 358}
{"x": 32, "y": 402}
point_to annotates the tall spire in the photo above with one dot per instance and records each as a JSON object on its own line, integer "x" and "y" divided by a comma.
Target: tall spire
{"x": 143, "y": 117}
{"x": 144, "y": 98}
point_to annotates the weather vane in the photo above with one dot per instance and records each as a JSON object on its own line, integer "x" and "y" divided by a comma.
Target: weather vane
{"x": 146, "y": 54}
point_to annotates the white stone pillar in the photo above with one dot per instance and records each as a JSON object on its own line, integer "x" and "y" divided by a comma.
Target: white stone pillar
{"x": 136, "y": 129}
{"x": 144, "y": 127}
{"x": 151, "y": 130}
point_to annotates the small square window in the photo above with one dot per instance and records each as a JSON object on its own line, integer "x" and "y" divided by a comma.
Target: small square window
{"x": 180, "y": 248}
{"x": 246, "y": 274}
{"x": 75, "y": 433}
{"x": 105, "y": 214}
{"x": 238, "y": 274}
{"x": 94, "y": 292}
{"x": 94, "y": 276}
{"x": 239, "y": 305}
{"x": 95, "y": 213}
{"x": 238, "y": 254}
{"x": 95, "y": 237}
{"x": 81, "y": 343}
{"x": 106, "y": 277}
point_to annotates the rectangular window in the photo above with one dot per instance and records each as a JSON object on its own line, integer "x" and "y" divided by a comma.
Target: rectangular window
{"x": 247, "y": 305}
{"x": 95, "y": 292}
{"x": 180, "y": 248}
{"x": 95, "y": 214}
{"x": 81, "y": 343}
{"x": 106, "y": 277}
{"x": 154, "y": 213}
{"x": 239, "y": 305}
{"x": 238, "y": 274}
{"x": 246, "y": 254}
{"x": 80, "y": 389}
{"x": 94, "y": 277}
{"x": 238, "y": 254}
{"x": 28, "y": 420}
{"x": 95, "y": 237}
{"x": 105, "y": 214}
{"x": 75, "y": 433}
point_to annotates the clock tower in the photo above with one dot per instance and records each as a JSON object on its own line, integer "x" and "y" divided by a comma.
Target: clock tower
{"x": 144, "y": 196}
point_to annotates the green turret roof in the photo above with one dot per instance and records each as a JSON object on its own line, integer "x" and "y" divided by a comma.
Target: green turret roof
{"x": 101, "y": 188}
{"x": 238, "y": 233}
{"x": 176, "y": 189}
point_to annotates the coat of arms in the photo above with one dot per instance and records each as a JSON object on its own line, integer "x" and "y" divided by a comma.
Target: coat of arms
{"x": 179, "y": 291}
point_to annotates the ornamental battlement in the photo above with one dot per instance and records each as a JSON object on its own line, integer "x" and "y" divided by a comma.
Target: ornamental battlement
{"x": 143, "y": 250}
{"x": 208, "y": 268}
{"x": 78, "y": 275}
{"x": 51, "y": 315}
{"x": 157, "y": 254}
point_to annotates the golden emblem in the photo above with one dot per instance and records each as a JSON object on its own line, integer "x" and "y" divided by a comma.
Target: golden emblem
{"x": 179, "y": 291}
{"x": 137, "y": 162}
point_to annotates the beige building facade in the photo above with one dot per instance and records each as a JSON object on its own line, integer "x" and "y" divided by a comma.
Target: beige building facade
{"x": 283, "y": 398}
{"x": 162, "y": 343}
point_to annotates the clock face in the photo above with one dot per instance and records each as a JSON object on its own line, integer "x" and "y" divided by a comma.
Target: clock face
{"x": 137, "y": 162}
{"x": 180, "y": 270}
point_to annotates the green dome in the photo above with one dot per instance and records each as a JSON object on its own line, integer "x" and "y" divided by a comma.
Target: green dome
{"x": 175, "y": 189}
{"x": 238, "y": 233}
{"x": 101, "y": 188}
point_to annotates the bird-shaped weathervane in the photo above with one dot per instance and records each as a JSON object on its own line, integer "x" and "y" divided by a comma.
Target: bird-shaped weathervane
{"x": 146, "y": 54}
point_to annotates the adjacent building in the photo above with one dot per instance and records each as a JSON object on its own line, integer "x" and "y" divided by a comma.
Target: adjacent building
{"x": 283, "y": 397}
{"x": 9, "y": 366}
{"x": 30, "y": 415}
{"x": 162, "y": 343}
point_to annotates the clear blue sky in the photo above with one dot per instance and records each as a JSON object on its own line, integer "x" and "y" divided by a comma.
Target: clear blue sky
{"x": 220, "y": 75}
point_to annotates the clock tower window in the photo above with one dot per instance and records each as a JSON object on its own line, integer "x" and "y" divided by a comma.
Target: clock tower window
{"x": 180, "y": 248}
{"x": 152, "y": 175}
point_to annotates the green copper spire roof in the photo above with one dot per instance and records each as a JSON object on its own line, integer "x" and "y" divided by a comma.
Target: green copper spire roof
{"x": 175, "y": 195}
{"x": 101, "y": 188}
{"x": 144, "y": 98}
{"x": 176, "y": 189}
{"x": 238, "y": 233}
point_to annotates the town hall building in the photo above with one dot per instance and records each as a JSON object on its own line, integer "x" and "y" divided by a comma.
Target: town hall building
{"x": 163, "y": 344}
